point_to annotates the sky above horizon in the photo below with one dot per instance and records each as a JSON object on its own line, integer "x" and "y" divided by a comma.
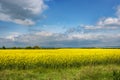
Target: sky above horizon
{"x": 60, "y": 23}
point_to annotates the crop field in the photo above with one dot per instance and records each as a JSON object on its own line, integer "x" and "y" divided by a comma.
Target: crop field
{"x": 57, "y": 58}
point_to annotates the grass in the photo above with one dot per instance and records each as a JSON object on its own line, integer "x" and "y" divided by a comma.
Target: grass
{"x": 100, "y": 72}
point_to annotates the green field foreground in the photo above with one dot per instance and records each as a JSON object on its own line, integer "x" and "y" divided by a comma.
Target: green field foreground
{"x": 60, "y": 64}
{"x": 98, "y": 72}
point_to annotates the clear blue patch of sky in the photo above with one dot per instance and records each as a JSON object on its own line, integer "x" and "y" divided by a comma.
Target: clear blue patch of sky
{"x": 72, "y": 12}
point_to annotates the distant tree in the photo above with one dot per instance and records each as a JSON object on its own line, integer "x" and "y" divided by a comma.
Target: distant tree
{"x": 28, "y": 47}
{"x": 36, "y": 47}
{"x": 3, "y": 47}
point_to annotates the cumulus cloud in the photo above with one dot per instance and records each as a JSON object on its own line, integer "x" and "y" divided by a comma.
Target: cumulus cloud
{"x": 12, "y": 35}
{"x": 107, "y": 23}
{"x": 21, "y": 11}
{"x": 49, "y": 39}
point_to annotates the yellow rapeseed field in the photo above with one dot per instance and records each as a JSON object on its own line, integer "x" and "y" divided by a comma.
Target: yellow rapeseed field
{"x": 57, "y": 58}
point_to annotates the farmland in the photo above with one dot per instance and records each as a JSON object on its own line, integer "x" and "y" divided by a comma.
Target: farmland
{"x": 60, "y": 61}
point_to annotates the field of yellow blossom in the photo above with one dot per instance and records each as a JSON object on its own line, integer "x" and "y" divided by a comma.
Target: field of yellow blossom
{"x": 57, "y": 58}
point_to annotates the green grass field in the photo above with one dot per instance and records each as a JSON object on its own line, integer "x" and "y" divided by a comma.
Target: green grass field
{"x": 60, "y": 64}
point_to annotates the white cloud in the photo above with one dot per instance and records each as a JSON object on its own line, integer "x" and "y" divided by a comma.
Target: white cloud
{"x": 26, "y": 22}
{"x": 12, "y": 36}
{"x": 48, "y": 39}
{"x": 107, "y": 23}
{"x": 21, "y": 11}
{"x": 7, "y": 18}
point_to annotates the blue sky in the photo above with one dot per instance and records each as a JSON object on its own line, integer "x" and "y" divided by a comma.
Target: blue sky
{"x": 60, "y": 23}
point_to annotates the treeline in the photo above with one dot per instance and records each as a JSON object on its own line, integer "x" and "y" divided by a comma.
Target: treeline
{"x": 28, "y": 47}
{"x": 38, "y": 47}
